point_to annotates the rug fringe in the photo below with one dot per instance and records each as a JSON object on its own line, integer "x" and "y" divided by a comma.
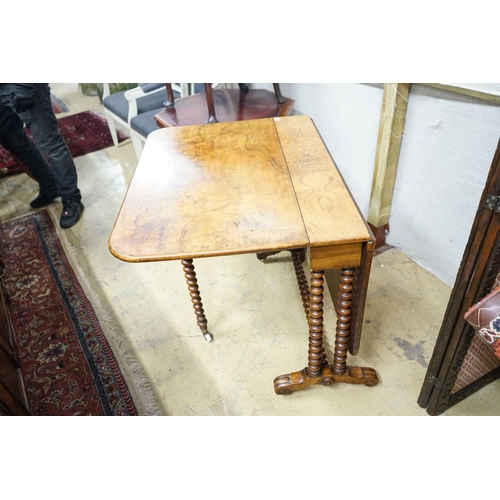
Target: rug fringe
{"x": 138, "y": 384}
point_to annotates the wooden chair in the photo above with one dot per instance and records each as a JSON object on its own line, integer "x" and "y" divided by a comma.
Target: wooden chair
{"x": 223, "y": 105}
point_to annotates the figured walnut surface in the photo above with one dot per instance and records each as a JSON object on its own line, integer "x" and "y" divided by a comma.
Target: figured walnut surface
{"x": 333, "y": 222}
{"x": 205, "y": 190}
{"x": 238, "y": 187}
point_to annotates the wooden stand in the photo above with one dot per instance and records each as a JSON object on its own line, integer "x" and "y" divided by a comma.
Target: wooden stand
{"x": 254, "y": 187}
{"x": 318, "y": 371}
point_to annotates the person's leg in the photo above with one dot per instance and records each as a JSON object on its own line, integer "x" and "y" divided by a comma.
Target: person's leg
{"x": 42, "y": 122}
{"x": 14, "y": 139}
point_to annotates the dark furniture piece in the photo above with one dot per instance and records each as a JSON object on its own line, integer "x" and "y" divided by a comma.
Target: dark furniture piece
{"x": 223, "y": 105}
{"x": 462, "y": 362}
{"x": 12, "y": 397}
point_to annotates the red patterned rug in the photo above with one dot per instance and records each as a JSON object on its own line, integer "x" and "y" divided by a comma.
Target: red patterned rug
{"x": 84, "y": 133}
{"x": 67, "y": 364}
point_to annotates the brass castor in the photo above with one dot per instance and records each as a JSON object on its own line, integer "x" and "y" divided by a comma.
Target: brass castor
{"x": 284, "y": 392}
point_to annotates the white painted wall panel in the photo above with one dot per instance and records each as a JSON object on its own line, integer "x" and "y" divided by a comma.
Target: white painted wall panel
{"x": 448, "y": 145}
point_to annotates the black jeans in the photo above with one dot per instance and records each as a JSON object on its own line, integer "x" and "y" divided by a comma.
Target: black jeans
{"x": 14, "y": 139}
{"x": 42, "y": 122}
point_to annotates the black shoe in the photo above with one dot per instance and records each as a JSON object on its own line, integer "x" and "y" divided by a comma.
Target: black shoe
{"x": 43, "y": 199}
{"x": 72, "y": 210}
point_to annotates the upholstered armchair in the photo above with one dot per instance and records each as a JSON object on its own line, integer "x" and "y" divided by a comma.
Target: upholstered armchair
{"x": 135, "y": 109}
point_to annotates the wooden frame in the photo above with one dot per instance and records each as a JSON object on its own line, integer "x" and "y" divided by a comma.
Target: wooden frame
{"x": 392, "y": 119}
{"x": 390, "y": 134}
{"x": 479, "y": 268}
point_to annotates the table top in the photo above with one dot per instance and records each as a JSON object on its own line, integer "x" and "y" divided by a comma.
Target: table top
{"x": 238, "y": 187}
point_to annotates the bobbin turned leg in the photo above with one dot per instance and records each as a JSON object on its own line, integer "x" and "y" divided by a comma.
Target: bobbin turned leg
{"x": 297, "y": 258}
{"x": 194, "y": 292}
{"x": 342, "y": 372}
{"x": 318, "y": 372}
{"x": 313, "y": 373}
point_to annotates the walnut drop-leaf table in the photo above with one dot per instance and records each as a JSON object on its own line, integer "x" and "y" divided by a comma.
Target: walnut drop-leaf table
{"x": 254, "y": 186}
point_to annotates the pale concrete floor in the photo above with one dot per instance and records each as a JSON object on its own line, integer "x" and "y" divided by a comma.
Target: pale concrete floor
{"x": 254, "y": 312}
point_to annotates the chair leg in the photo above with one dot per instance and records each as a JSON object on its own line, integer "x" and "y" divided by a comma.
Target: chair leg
{"x": 277, "y": 91}
{"x": 136, "y": 141}
{"x": 112, "y": 130}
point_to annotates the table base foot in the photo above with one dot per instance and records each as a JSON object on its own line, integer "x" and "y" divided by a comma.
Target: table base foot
{"x": 262, "y": 256}
{"x": 285, "y": 384}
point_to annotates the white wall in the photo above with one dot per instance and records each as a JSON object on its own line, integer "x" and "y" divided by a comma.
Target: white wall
{"x": 347, "y": 117}
{"x": 448, "y": 144}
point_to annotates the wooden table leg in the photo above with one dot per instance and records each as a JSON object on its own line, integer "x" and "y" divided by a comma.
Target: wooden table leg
{"x": 298, "y": 258}
{"x": 194, "y": 292}
{"x": 318, "y": 371}
{"x": 262, "y": 256}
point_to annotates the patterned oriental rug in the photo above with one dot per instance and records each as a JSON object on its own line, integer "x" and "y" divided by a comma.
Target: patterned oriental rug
{"x": 83, "y": 132}
{"x": 67, "y": 363}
